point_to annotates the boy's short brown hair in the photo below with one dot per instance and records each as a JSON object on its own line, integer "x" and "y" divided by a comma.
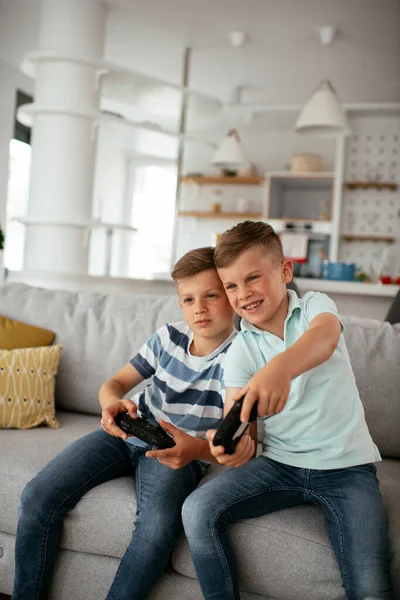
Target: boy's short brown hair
{"x": 242, "y": 237}
{"x": 193, "y": 262}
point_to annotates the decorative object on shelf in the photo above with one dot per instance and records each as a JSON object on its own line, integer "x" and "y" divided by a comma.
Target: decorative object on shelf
{"x": 230, "y": 153}
{"x": 323, "y": 210}
{"x": 247, "y": 171}
{"x": 215, "y": 238}
{"x": 244, "y": 205}
{"x": 2, "y": 239}
{"x": 216, "y": 206}
{"x": 323, "y": 114}
{"x": 229, "y": 172}
{"x": 338, "y": 271}
{"x": 306, "y": 163}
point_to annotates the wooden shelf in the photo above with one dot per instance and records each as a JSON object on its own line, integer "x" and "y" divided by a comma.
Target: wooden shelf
{"x": 368, "y": 238}
{"x": 386, "y": 185}
{"x": 300, "y": 175}
{"x": 203, "y": 214}
{"x": 298, "y": 220}
{"x": 211, "y": 180}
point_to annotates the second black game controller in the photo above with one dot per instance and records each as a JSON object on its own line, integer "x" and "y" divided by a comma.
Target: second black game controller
{"x": 231, "y": 429}
{"x": 151, "y": 434}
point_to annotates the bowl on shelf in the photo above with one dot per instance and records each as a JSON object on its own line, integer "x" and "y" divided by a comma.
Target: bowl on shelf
{"x": 338, "y": 271}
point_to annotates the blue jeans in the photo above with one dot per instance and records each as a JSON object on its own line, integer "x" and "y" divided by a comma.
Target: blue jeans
{"x": 94, "y": 459}
{"x": 350, "y": 499}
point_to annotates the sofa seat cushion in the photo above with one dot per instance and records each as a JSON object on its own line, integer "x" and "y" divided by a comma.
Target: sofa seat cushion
{"x": 287, "y": 554}
{"x": 25, "y": 452}
{"x": 291, "y": 541}
{"x": 103, "y": 520}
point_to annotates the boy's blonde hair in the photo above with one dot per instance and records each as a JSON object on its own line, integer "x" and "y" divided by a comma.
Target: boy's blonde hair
{"x": 193, "y": 262}
{"x": 242, "y": 237}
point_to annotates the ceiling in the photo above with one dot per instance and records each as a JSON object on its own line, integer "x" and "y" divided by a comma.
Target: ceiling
{"x": 282, "y": 61}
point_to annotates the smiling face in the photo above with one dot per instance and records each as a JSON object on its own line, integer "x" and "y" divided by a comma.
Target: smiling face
{"x": 206, "y": 308}
{"x": 255, "y": 286}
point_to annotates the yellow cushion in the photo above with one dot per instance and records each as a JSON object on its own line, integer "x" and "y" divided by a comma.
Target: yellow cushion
{"x": 27, "y": 381}
{"x": 14, "y": 334}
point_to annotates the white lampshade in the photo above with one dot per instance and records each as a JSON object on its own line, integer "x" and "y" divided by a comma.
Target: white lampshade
{"x": 323, "y": 115}
{"x": 230, "y": 152}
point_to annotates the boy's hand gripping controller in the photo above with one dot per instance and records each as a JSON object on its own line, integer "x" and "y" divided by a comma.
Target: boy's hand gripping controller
{"x": 141, "y": 428}
{"x": 231, "y": 429}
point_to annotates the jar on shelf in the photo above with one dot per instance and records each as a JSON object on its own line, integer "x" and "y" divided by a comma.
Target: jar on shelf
{"x": 323, "y": 210}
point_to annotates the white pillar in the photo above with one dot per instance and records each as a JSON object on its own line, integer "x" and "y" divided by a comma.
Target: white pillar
{"x": 63, "y": 138}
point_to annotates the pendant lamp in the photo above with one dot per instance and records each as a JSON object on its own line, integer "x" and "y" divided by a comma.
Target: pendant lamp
{"x": 230, "y": 152}
{"x": 323, "y": 114}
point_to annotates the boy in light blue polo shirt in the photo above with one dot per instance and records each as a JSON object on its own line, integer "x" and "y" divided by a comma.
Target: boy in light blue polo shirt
{"x": 291, "y": 358}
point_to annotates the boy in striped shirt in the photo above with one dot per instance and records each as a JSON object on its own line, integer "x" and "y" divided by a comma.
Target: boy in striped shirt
{"x": 185, "y": 397}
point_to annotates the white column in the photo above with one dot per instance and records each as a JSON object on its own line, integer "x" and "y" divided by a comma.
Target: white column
{"x": 63, "y": 139}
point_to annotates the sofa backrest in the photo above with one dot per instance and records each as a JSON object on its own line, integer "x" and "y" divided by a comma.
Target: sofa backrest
{"x": 99, "y": 333}
{"x": 374, "y": 349}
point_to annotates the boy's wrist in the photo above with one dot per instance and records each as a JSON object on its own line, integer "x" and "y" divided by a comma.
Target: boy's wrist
{"x": 201, "y": 450}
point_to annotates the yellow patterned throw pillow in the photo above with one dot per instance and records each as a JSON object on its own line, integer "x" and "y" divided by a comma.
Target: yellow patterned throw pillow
{"x": 27, "y": 381}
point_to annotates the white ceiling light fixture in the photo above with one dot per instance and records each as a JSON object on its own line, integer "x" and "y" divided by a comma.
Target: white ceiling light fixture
{"x": 323, "y": 115}
{"x": 230, "y": 152}
{"x": 237, "y": 38}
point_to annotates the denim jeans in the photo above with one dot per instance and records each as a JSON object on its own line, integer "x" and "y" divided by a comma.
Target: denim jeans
{"x": 94, "y": 459}
{"x": 350, "y": 499}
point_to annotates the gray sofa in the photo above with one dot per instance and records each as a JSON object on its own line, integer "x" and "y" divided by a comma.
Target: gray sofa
{"x": 285, "y": 556}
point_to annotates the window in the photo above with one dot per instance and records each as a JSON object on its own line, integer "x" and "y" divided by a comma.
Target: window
{"x": 18, "y": 190}
{"x": 151, "y": 203}
{"x": 17, "y": 204}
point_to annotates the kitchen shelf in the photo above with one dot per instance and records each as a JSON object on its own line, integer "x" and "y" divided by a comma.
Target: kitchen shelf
{"x": 300, "y": 175}
{"x": 215, "y": 180}
{"x": 203, "y": 214}
{"x": 368, "y": 238}
{"x": 386, "y": 185}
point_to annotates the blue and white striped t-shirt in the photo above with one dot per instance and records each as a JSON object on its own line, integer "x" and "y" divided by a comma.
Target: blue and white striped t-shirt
{"x": 188, "y": 391}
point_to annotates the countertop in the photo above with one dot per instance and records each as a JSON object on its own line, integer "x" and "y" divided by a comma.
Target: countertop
{"x": 346, "y": 287}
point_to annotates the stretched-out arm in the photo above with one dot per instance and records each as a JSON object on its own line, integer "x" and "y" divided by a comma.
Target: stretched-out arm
{"x": 271, "y": 385}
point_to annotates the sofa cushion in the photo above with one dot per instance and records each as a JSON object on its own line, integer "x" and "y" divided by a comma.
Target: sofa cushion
{"x": 374, "y": 349}
{"x": 99, "y": 333}
{"x": 27, "y": 381}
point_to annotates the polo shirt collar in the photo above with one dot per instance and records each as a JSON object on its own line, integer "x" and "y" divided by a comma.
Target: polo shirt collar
{"x": 294, "y": 302}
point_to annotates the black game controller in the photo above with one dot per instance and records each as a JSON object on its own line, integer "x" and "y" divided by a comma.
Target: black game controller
{"x": 231, "y": 429}
{"x": 154, "y": 435}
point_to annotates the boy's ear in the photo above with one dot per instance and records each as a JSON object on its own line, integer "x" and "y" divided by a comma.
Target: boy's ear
{"x": 287, "y": 271}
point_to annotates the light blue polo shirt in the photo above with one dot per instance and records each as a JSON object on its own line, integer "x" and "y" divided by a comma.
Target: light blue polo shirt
{"x": 322, "y": 425}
